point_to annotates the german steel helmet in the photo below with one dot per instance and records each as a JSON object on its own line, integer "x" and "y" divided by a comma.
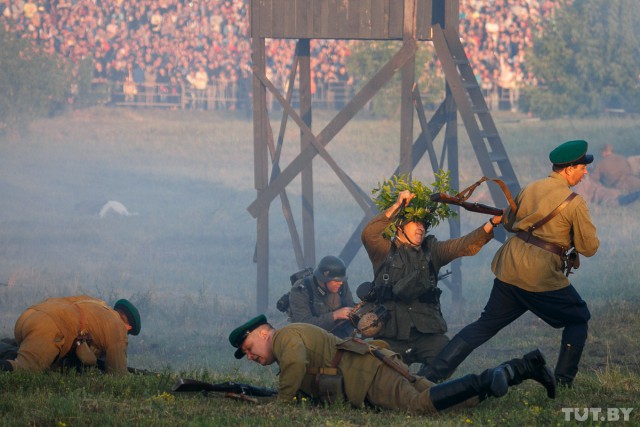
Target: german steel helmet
{"x": 330, "y": 268}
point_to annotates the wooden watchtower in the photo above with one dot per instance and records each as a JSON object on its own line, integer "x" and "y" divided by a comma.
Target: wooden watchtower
{"x": 408, "y": 21}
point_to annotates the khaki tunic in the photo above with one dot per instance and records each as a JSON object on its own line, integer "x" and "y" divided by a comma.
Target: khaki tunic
{"x": 615, "y": 171}
{"x": 46, "y": 332}
{"x": 300, "y": 346}
{"x": 530, "y": 267}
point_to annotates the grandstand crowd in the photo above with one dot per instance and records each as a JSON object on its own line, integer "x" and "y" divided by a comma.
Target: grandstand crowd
{"x": 204, "y": 46}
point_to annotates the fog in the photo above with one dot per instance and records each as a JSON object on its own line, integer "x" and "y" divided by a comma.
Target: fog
{"x": 183, "y": 250}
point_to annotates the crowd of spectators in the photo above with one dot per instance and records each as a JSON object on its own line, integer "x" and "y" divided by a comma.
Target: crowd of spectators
{"x": 170, "y": 45}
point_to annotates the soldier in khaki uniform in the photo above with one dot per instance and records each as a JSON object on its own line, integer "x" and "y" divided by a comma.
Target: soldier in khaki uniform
{"x": 308, "y": 357}
{"x": 614, "y": 171}
{"x": 78, "y": 325}
{"x": 415, "y": 327}
{"x": 529, "y": 268}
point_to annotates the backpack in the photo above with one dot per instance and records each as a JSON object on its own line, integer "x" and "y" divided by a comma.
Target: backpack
{"x": 306, "y": 273}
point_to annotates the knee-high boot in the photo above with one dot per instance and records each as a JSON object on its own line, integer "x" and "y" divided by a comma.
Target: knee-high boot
{"x": 446, "y": 362}
{"x": 494, "y": 382}
{"x": 567, "y": 366}
{"x": 532, "y": 366}
{"x": 491, "y": 382}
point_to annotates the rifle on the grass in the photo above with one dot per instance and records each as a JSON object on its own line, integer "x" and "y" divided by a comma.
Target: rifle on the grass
{"x": 189, "y": 385}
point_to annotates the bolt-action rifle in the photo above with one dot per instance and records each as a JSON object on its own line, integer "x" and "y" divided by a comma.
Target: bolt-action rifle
{"x": 235, "y": 389}
{"x": 460, "y": 199}
{"x": 470, "y": 206}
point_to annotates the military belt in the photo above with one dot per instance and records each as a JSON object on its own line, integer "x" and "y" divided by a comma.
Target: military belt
{"x": 322, "y": 371}
{"x": 547, "y": 246}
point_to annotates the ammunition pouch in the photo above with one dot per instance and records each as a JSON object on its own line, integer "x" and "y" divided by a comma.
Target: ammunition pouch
{"x": 328, "y": 383}
{"x": 432, "y": 296}
{"x": 329, "y": 388}
{"x": 83, "y": 350}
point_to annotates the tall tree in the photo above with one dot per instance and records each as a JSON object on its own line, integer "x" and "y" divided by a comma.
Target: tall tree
{"x": 32, "y": 82}
{"x": 587, "y": 59}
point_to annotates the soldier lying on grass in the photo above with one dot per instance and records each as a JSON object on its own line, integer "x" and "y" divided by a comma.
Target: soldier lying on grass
{"x": 316, "y": 364}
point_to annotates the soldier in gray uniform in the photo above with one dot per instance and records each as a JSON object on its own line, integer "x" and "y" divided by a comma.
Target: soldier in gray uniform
{"x": 324, "y": 298}
{"x": 407, "y": 288}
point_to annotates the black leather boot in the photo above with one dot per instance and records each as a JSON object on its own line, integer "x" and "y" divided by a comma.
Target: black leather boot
{"x": 567, "y": 366}
{"x": 532, "y": 366}
{"x": 5, "y": 365}
{"x": 446, "y": 362}
{"x": 491, "y": 382}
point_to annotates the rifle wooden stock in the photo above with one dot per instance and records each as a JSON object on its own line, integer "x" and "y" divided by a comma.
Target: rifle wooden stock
{"x": 472, "y": 207}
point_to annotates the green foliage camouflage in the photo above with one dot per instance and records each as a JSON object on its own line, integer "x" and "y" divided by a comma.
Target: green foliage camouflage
{"x": 586, "y": 60}
{"x": 420, "y": 208}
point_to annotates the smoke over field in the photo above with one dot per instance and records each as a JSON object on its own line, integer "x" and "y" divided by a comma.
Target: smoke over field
{"x": 151, "y": 206}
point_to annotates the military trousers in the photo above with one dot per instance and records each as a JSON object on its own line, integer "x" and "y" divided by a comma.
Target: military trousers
{"x": 420, "y": 347}
{"x": 390, "y": 390}
{"x": 563, "y": 308}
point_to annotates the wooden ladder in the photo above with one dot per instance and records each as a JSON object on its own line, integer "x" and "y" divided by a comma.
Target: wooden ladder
{"x": 481, "y": 128}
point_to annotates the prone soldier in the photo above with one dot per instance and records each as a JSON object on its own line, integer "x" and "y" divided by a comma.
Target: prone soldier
{"x": 316, "y": 364}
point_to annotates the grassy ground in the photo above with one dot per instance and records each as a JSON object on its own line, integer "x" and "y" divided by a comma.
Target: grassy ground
{"x": 185, "y": 259}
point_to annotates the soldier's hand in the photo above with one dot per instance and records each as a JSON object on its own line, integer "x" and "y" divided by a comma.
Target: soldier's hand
{"x": 341, "y": 313}
{"x": 405, "y": 197}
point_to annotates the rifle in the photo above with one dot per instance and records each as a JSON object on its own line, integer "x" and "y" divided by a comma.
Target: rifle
{"x": 460, "y": 199}
{"x": 229, "y": 387}
{"x": 470, "y": 206}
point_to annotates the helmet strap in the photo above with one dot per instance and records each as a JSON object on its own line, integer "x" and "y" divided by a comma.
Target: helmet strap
{"x": 407, "y": 237}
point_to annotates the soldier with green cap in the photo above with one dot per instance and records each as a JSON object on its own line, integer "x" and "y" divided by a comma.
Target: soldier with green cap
{"x": 407, "y": 262}
{"x": 318, "y": 365}
{"x": 81, "y": 327}
{"x": 531, "y": 267}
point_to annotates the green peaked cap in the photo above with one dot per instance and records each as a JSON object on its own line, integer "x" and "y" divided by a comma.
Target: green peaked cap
{"x": 571, "y": 153}
{"x": 239, "y": 334}
{"x": 132, "y": 313}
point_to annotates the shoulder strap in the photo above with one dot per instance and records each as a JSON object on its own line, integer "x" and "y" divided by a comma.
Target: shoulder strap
{"x": 392, "y": 252}
{"x": 555, "y": 212}
{"x": 307, "y": 285}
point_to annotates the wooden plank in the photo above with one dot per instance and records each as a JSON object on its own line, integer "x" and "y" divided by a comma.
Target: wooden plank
{"x": 396, "y": 15}
{"x": 358, "y": 194}
{"x": 306, "y": 175}
{"x": 423, "y": 20}
{"x": 364, "y": 27}
{"x": 304, "y": 19}
{"x": 275, "y": 170}
{"x": 260, "y": 116}
{"x": 265, "y": 18}
{"x": 278, "y": 19}
{"x": 379, "y": 19}
{"x": 342, "y": 30}
{"x": 290, "y": 18}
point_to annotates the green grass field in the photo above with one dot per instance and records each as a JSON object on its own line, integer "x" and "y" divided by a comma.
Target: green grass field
{"x": 186, "y": 259}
